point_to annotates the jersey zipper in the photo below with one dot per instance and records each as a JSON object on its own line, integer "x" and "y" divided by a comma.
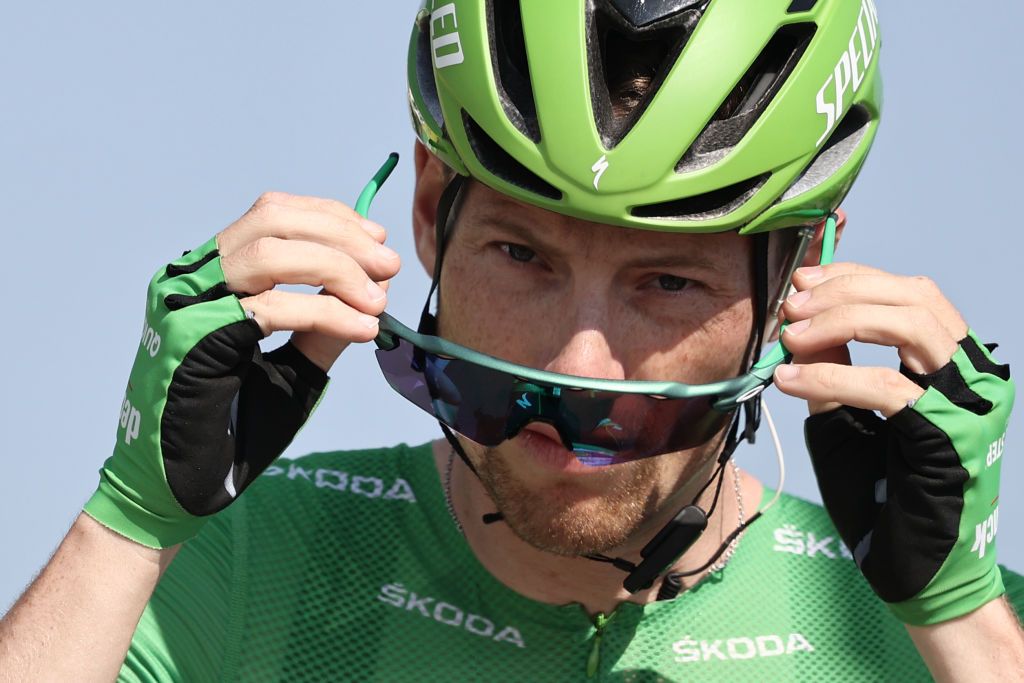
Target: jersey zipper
{"x": 594, "y": 660}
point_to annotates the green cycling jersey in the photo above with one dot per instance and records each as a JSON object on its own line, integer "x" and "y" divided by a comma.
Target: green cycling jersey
{"x": 347, "y": 566}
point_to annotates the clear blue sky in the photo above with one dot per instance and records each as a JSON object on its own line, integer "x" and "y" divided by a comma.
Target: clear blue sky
{"x": 132, "y": 131}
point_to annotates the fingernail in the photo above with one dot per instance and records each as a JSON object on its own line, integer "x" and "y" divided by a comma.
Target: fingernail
{"x": 369, "y": 321}
{"x": 375, "y": 291}
{"x": 799, "y": 299}
{"x": 796, "y": 328}
{"x": 386, "y": 253}
{"x": 811, "y": 272}
{"x": 371, "y": 227}
{"x": 787, "y": 372}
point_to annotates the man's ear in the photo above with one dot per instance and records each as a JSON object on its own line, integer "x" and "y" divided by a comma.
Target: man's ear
{"x": 813, "y": 256}
{"x": 430, "y": 183}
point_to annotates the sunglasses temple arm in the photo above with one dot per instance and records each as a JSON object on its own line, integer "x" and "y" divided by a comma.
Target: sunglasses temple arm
{"x": 379, "y": 178}
{"x": 806, "y": 234}
{"x": 362, "y": 207}
{"x": 760, "y": 376}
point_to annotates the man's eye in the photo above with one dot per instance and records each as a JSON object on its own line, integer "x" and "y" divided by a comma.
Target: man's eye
{"x": 518, "y": 252}
{"x": 671, "y": 283}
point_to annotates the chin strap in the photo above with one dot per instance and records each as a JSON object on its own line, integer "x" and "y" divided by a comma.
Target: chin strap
{"x": 447, "y": 210}
{"x": 490, "y": 517}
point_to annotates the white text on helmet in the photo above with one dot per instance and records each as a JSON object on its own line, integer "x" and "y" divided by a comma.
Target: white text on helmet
{"x": 444, "y": 37}
{"x": 848, "y": 75}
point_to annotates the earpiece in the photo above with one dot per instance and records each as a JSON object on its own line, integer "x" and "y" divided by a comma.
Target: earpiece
{"x": 674, "y": 539}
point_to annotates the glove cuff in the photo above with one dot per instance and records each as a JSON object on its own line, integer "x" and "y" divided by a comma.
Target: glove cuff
{"x": 115, "y": 510}
{"x": 953, "y": 603}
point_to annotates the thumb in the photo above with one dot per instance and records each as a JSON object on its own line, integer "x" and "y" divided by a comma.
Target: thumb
{"x": 839, "y": 355}
{"x": 321, "y": 349}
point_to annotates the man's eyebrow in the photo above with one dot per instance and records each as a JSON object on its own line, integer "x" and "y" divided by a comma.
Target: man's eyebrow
{"x": 665, "y": 258}
{"x": 675, "y": 260}
{"x": 512, "y": 226}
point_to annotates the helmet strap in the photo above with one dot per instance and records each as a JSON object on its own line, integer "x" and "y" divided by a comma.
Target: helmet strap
{"x": 447, "y": 210}
{"x": 759, "y": 270}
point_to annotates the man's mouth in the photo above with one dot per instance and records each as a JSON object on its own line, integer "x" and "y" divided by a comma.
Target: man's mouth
{"x": 544, "y": 448}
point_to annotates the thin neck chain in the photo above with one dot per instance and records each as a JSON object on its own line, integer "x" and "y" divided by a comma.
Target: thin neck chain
{"x": 448, "y": 492}
{"x": 719, "y": 565}
{"x": 716, "y": 567}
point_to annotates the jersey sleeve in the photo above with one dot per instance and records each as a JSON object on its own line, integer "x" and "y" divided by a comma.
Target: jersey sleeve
{"x": 184, "y": 633}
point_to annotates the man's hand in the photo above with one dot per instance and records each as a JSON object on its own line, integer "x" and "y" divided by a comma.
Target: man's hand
{"x": 915, "y": 496}
{"x": 205, "y": 412}
{"x": 287, "y": 239}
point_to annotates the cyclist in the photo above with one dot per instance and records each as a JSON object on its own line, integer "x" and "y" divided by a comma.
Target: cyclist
{"x": 611, "y": 196}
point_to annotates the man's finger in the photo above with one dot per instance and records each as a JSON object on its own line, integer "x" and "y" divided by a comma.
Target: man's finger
{"x": 867, "y": 286}
{"x": 322, "y": 204}
{"x": 287, "y": 222}
{"x": 839, "y": 355}
{"x": 812, "y": 276}
{"x": 881, "y": 389}
{"x": 326, "y": 315}
{"x": 270, "y": 262}
{"x": 923, "y": 342}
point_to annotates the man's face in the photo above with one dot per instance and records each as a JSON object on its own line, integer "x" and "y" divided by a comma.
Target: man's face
{"x": 580, "y": 298}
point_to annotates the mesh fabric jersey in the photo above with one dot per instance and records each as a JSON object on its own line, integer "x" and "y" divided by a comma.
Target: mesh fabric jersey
{"x": 347, "y": 566}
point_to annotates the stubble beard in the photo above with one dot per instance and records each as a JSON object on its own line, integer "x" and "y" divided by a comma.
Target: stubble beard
{"x": 570, "y": 526}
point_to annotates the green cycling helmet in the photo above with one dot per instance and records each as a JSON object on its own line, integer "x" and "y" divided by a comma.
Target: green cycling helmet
{"x": 758, "y": 113}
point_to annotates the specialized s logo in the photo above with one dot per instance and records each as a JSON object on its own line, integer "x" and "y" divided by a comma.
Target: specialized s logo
{"x": 445, "y": 44}
{"x": 848, "y": 75}
{"x": 599, "y": 167}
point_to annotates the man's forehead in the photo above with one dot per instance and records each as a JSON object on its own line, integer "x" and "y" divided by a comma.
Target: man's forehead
{"x": 487, "y": 207}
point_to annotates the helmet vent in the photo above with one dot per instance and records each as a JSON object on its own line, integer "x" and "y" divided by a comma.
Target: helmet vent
{"x": 644, "y": 12}
{"x": 750, "y": 98}
{"x": 510, "y": 65}
{"x": 704, "y": 207}
{"x": 801, "y": 6}
{"x": 834, "y": 153}
{"x": 629, "y": 63}
{"x": 502, "y": 164}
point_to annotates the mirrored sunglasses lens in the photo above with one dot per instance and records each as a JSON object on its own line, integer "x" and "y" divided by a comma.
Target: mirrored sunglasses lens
{"x": 469, "y": 398}
{"x": 613, "y": 428}
{"x": 490, "y": 406}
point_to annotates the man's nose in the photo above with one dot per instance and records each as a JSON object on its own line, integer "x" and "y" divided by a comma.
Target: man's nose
{"x": 585, "y": 353}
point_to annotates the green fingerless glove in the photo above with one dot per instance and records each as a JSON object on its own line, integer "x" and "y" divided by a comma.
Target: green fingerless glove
{"x": 205, "y": 412}
{"x": 916, "y": 497}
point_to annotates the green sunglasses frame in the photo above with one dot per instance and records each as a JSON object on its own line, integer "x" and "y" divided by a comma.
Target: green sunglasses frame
{"x": 727, "y": 394}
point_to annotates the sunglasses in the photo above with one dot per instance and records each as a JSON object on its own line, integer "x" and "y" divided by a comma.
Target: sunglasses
{"x": 603, "y": 422}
